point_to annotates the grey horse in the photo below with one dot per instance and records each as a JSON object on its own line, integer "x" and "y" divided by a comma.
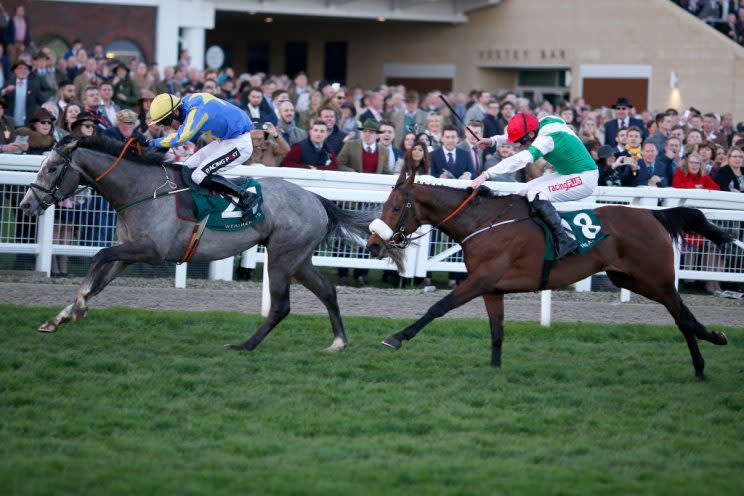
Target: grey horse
{"x": 295, "y": 223}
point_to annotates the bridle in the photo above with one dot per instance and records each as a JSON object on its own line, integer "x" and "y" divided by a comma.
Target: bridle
{"x": 400, "y": 239}
{"x": 52, "y": 194}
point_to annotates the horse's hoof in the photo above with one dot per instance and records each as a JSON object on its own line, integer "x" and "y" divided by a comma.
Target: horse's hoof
{"x": 720, "y": 338}
{"x": 47, "y": 327}
{"x": 235, "y": 347}
{"x": 392, "y": 342}
{"x": 335, "y": 348}
{"x": 78, "y": 313}
{"x": 700, "y": 375}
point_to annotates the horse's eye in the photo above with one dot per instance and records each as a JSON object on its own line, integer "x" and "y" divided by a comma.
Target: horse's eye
{"x": 396, "y": 209}
{"x": 52, "y": 170}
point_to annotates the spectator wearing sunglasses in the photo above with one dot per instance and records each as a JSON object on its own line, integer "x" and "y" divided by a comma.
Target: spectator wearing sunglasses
{"x": 40, "y": 132}
{"x": 84, "y": 125}
{"x": 622, "y": 120}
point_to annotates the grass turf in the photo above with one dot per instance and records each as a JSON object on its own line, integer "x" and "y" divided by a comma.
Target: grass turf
{"x": 145, "y": 402}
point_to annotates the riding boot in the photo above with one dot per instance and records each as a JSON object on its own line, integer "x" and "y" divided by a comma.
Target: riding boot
{"x": 564, "y": 244}
{"x": 246, "y": 199}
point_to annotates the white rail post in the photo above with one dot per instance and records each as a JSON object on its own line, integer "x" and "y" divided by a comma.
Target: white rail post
{"x": 546, "y": 299}
{"x": 265, "y": 292}
{"x": 44, "y": 235}
{"x": 248, "y": 258}
{"x": 181, "y": 275}
{"x": 221, "y": 270}
{"x": 583, "y": 285}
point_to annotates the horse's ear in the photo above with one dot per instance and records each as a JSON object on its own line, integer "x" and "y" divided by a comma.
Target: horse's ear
{"x": 67, "y": 145}
{"x": 401, "y": 178}
{"x": 411, "y": 175}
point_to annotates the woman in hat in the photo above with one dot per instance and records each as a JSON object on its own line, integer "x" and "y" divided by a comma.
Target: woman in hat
{"x": 40, "y": 132}
{"x": 84, "y": 125}
{"x": 126, "y": 93}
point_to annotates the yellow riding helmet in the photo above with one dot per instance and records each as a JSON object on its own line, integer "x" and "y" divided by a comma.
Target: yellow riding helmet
{"x": 162, "y": 106}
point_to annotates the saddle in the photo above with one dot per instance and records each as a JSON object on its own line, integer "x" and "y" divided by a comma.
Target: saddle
{"x": 582, "y": 225}
{"x": 196, "y": 202}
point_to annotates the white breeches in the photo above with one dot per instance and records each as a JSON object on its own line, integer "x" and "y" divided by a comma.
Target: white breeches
{"x": 555, "y": 187}
{"x": 220, "y": 156}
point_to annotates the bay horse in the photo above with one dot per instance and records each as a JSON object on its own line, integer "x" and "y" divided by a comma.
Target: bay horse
{"x": 295, "y": 222}
{"x": 503, "y": 251}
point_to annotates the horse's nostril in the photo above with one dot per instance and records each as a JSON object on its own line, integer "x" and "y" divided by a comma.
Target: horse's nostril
{"x": 25, "y": 206}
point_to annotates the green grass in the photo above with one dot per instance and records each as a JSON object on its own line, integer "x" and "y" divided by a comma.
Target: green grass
{"x": 143, "y": 402}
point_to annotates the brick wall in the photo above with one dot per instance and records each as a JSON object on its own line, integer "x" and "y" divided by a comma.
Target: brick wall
{"x": 91, "y": 23}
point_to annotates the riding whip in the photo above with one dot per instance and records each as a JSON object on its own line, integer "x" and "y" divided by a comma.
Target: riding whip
{"x": 472, "y": 133}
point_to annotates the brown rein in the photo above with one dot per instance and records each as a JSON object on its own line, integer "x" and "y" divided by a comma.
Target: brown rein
{"x": 121, "y": 155}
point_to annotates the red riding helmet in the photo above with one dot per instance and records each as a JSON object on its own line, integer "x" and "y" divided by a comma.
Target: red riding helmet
{"x": 520, "y": 125}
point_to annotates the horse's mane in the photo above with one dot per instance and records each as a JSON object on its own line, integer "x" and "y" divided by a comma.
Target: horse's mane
{"x": 110, "y": 146}
{"x": 482, "y": 192}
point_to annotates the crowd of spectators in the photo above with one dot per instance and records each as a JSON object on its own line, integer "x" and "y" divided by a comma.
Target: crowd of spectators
{"x": 727, "y": 16}
{"x": 329, "y": 126}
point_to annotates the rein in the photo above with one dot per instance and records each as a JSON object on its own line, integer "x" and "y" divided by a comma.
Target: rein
{"x": 399, "y": 238}
{"x": 121, "y": 155}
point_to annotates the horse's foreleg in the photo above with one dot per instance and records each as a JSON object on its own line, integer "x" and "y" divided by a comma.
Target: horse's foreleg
{"x": 495, "y": 308}
{"x": 105, "y": 266}
{"x": 324, "y": 290}
{"x": 469, "y": 289}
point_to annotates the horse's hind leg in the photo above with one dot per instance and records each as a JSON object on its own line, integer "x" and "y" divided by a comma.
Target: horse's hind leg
{"x": 324, "y": 290}
{"x": 668, "y": 296}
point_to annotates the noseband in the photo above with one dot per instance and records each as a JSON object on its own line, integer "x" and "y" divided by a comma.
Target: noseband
{"x": 52, "y": 195}
{"x": 400, "y": 239}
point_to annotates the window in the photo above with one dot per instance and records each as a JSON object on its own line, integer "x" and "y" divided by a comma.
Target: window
{"x": 335, "y": 61}
{"x": 258, "y": 56}
{"x": 543, "y": 78}
{"x": 124, "y": 50}
{"x": 295, "y": 57}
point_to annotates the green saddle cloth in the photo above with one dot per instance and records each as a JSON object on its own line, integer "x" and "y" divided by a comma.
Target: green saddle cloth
{"x": 582, "y": 225}
{"x": 223, "y": 214}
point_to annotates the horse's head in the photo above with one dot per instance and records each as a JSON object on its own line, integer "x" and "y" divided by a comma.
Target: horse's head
{"x": 398, "y": 220}
{"x": 57, "y": 179}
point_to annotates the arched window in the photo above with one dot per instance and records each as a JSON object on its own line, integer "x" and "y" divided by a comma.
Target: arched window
{"x": 124, "y": 50}
{"x": 57, "y": 44}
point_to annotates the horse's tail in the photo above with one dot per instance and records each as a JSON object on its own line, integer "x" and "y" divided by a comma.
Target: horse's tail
{"x": 680, "y": 220}
{"x": 348, "y": 224}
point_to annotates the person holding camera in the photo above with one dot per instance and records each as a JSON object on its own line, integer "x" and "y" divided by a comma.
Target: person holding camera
{"x": 269, "y": 147}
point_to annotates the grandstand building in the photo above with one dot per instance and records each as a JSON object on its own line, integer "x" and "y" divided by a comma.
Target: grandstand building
{"x": 651, "y": 51}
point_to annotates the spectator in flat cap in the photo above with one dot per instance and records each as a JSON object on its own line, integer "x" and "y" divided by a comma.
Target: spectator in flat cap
{"x": 126, "y": 127}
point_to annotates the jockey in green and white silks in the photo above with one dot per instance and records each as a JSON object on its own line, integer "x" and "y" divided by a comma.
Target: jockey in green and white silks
{"x": 574, "y": 175}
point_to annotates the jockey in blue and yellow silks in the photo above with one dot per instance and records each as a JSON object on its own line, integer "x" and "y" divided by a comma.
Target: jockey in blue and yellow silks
{"x": 204, "y": 113}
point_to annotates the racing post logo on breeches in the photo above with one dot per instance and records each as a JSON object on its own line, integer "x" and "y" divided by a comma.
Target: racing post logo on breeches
{"x": 566, "y": 185}
{"x": 220, "y": 162}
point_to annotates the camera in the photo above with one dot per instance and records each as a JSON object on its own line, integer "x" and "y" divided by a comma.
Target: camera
{"x": 265, "y": 126}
